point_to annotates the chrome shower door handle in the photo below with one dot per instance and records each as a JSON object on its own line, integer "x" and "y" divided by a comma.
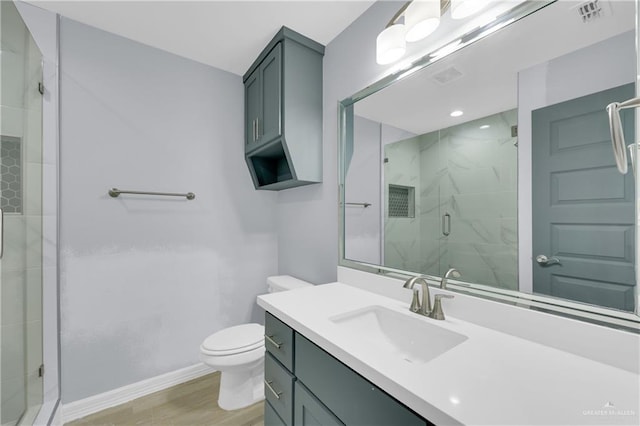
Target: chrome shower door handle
{"x": 1, "y": 233}
{"x": 545, "y": 261}
{"x": 446, "y": 224}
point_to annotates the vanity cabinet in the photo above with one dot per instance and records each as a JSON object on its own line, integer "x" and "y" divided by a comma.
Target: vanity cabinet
{"x": 319, "y": 390}
{"x": 283, "y": 113}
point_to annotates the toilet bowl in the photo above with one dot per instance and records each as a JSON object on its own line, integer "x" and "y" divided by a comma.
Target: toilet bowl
{"x": 238, "y": 353}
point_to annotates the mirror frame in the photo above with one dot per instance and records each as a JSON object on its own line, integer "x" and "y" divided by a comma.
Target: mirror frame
{"x": 629, "y": 321}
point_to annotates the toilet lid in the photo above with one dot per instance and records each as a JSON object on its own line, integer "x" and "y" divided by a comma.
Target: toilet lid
{"x": 237, "y": 339}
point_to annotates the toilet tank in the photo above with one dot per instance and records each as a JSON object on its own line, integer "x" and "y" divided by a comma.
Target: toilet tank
{"x": 284, "y": 283}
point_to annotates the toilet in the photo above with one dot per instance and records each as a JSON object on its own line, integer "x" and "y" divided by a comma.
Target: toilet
{"x": 238, "y": 353}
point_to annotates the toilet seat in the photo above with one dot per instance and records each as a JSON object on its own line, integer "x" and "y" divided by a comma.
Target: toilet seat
{"x": 234, "y": 340}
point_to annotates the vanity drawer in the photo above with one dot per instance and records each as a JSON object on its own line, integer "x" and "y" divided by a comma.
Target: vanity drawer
{"x": 279, "y": 340}
{"x": 353, "y": 399}
{"x": 271, "y": 418}
{"x": 278, "y": 388}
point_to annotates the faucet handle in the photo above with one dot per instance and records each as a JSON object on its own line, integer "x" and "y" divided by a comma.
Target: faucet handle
{"x": 415, "y": 302}
{"x": 437, "y": 312}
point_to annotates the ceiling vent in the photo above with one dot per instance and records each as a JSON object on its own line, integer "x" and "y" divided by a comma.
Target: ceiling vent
{"x": 447, "y": 75}
{"x": 590, "y": 10}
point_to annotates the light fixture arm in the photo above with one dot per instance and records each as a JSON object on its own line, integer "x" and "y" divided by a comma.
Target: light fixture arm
{"x": 398, "y": 14}
{"x": 444, "y": 5}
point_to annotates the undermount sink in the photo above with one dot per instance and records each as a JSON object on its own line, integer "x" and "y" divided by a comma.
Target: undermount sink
{"x": 407, "y": 336}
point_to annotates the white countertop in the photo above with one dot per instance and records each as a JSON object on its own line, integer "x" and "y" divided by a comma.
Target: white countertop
{"x": 491, "y": 378}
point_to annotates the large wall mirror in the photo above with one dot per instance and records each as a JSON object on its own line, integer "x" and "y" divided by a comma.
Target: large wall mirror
{"x": 497, "y": 160}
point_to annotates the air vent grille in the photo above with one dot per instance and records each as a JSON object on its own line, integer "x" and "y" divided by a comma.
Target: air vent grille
{"x": 590, "y": 10}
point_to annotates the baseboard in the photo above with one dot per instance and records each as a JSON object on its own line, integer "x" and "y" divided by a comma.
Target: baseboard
{"x": 84, "y": 407}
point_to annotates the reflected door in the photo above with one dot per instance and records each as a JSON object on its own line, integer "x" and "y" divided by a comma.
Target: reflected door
{"x": 21, "y": 204}
{"x": 583, "y": 208}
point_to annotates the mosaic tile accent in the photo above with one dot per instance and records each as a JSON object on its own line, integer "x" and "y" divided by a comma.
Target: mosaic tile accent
{"x": 11, "y": 174}
{"x": 401, "y": 202}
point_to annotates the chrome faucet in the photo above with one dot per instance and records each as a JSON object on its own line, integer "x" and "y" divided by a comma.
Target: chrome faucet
{"x": 451, "y": 273}
{"x": 424, "y": 307}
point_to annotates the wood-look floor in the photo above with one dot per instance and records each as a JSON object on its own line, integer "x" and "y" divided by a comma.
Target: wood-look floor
{"x": 188, "y": 404}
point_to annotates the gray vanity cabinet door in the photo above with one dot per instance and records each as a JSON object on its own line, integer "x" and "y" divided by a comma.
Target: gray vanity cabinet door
{"x": 308, "y": 411}
{"x": 269, "y": 126}
{"x": 271, "y": 417}
{"x": 352, "y": 398}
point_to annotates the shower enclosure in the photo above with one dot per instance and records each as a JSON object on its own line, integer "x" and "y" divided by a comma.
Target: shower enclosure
{"x": 21, "y": 391}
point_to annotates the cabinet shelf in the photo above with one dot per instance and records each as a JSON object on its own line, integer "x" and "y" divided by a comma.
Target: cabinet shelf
{"x": 270, "y": 166}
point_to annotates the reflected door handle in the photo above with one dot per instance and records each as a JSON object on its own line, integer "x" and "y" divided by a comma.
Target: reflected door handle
{"x": 545, "y": 261}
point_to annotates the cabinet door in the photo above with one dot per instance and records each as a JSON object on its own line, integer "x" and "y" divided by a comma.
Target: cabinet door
{"x": 308, "y": 411}
{"x": 269, "y": 125}
{"x": 352, "y": 398}
{"x": 271, "y": 418}
{"x": 251, "y": 110}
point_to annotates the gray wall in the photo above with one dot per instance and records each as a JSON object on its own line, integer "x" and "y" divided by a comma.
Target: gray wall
{"x": 308, "y": 216}
{"x": 362, "y": 185}
{"x": 144, "y": 280}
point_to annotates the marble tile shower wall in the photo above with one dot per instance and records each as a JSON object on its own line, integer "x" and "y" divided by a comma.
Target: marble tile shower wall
{"x": 433, "y": 172}
{"x": 402, "y": 234}
{"x": 476, "y": 180}
{"x": 470, "y": 173}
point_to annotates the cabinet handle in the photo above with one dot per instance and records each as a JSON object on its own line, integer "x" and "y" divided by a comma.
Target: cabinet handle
{"x": 253, "y": 129}
{"x": 273, "y": 391}
{"x": 273, "y": 342}
{"x": 257, "y": 128}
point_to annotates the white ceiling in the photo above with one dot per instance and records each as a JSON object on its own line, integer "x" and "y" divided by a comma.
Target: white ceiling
{"x": 225, "y": 34}
{"x": 489, "y": 68}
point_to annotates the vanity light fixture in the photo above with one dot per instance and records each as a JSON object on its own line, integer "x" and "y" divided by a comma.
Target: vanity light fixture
{"x": 421, "y": 18}
{"x": 416, "y": 20}
{"x": 461, "y": 9}
{"x": 456, "y": 113}
{"x": 390, "y": 44}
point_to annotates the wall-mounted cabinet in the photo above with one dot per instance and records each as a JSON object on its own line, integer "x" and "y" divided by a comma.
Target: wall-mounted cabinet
{"x": 283, "y": 113}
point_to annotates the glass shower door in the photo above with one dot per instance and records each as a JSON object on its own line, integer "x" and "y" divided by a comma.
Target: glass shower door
{"x": 21, "y": 204}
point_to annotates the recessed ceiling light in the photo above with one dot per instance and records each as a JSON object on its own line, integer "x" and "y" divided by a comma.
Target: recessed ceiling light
{"x": 456, "y": 113}
{"x": 485, "y": 126}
